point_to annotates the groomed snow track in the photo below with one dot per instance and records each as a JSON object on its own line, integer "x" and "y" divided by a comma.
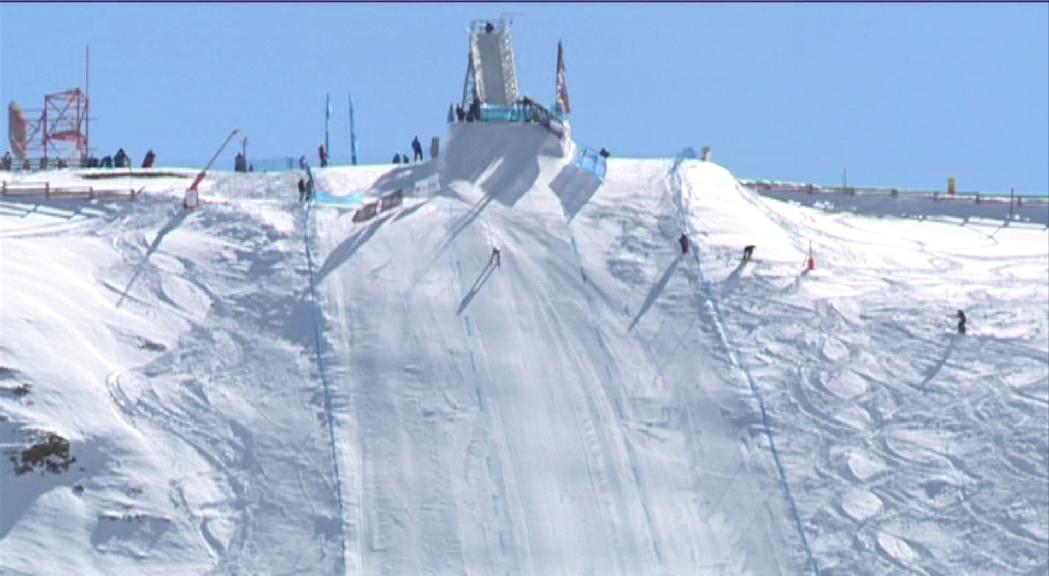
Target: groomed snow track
{"x": 479, "y": 392}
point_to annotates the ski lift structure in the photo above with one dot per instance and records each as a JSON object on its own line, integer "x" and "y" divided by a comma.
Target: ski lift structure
{"x": 59, "y": 130}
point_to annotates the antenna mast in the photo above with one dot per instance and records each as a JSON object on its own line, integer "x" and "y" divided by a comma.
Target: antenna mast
{"x": 87, "y": 101}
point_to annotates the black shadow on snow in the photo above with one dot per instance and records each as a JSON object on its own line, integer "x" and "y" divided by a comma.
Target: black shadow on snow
{"x": 348, "y": 247}
{"x": 655, "y": 291}
{"x": 403, "y": 177}
{"x": 478, "y": 284}
{"x": 180, "y": 215}
{"x": 730, "y": 281}
{"x": 574, "y": 187}
{"x": 476, "y": 148}
{"x": 934, "y": 370}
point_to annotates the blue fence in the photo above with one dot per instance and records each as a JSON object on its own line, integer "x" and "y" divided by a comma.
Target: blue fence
{"x": 278, "y": 164}
{"x": 353, "y": 199}
{"x": 590, "y": 160}
{"x": 519, "y": 113}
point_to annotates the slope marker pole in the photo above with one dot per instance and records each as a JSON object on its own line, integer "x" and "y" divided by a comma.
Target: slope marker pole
{"x": 191, "y": 199}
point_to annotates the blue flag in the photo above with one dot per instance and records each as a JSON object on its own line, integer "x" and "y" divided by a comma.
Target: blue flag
{"x": 353, "y": 135}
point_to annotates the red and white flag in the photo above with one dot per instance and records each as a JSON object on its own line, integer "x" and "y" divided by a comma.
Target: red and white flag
{"x": 562, "y": 86}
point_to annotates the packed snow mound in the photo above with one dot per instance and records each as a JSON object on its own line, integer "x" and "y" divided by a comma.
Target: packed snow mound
{"x": 594, "y": 402}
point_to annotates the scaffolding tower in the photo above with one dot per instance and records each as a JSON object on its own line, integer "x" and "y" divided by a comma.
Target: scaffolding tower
{"x": 59, "y": 132}
{"x": 491, "y": 76}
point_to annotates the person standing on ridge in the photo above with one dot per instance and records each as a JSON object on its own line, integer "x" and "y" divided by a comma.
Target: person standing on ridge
{"x": 417, "y": 150}
{"x": 323, "y": 155}
{"x": 683, "y": 241}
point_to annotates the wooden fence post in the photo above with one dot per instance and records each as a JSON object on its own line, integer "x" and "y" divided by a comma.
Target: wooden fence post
{"x": 47, "y": 190}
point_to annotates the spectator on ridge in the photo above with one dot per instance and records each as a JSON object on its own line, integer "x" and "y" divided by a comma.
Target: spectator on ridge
{"x": 417, "y": 150}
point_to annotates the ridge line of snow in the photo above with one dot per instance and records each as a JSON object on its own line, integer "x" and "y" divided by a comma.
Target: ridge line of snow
{"x": 711, "y": 302}
{"x": 328, "y": 415}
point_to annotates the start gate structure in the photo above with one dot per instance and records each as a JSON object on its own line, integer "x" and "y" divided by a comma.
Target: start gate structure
{"x": 490, "y": 91}
{"x": 491, "y": 76}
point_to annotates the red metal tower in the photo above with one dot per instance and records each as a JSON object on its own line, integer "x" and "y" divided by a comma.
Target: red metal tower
{"x": 60, "y": 132}
{"x": 61, "y": 129}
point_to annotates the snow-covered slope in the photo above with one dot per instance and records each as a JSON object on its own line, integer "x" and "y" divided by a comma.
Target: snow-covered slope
{"x": 598, "y": 403}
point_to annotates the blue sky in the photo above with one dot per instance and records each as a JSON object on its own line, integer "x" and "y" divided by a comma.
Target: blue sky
{"x": 898, "y": 94}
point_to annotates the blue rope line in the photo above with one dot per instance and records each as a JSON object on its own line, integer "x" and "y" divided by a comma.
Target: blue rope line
{"x": 810, "y": 561}
{"x": 328, "y": 412}
{"x": 712, "y": 300}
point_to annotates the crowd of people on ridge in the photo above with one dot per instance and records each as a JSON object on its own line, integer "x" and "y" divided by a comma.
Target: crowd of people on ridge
{"x": 119, "y": 160}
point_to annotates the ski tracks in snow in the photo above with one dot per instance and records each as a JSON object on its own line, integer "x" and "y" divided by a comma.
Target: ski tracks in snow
{"x": 681, "y": 200}
{"x": 501, "y": 482}
{"x": 901, "y": 423}
{"x": 609, "y": 406}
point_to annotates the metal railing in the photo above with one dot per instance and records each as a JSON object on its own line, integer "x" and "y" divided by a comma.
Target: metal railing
{"x": 45, "y": 189}
{"x": 874, "y": 191}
